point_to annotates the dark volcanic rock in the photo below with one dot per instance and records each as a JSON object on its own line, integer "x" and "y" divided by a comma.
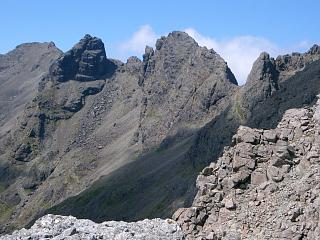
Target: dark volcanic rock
{"x": 180, "y": 87}
{"x": 183, "y": 83}
{"x": 86, "y": 61}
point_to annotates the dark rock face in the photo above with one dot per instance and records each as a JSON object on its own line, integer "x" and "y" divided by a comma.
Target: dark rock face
{"x": 86, "y": 61}
{"x": 27, "y": 150}
{"x": 203, "y": 146}
{"x": 263, "y": 187}
{"x": 182, "y": 83}
{"x": 263, "y": 77}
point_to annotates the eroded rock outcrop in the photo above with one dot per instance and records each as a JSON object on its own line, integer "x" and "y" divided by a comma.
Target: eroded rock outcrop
{"x": 264, "y": 186}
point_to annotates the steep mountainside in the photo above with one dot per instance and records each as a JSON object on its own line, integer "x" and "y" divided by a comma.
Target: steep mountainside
{"x": 110, "y": 140}
{"x": 68, "y": 139}
{"x": 264, "y": 186}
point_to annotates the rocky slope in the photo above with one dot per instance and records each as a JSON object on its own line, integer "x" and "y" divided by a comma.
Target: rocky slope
{"x": 264, "y": 186}
{"x": 59, "y": 227}
{"x": 110, "y": 140}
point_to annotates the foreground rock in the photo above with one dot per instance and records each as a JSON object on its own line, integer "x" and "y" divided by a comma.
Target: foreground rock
{"x": 61, "y": 227}
{"x": 265, "y": 186}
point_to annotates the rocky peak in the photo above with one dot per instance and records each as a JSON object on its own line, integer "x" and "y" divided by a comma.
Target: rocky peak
{"x": 133, "y": 65}
{"x": 181, "y": 81}
{"x": 289, "y": 64}
{"x": 78, "y": 73}
{"x": 262, "y": 81}
{"x": 263, "y": 69}
{"x": 86, "y": 61}
{"x": 315, "y": 49}
{"x": 277, "y": 70}
{"x": 175, "y": 38}
{"x": 179, "y": 51}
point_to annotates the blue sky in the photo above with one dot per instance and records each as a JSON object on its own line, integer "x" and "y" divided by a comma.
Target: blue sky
{"x": 238, "y": 30}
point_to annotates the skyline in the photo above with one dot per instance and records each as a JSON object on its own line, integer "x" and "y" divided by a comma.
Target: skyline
{"x": 238, "y": 36}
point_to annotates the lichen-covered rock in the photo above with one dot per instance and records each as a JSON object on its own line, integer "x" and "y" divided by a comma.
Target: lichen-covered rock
{"x": 60, "y": 227}
{"x": 266, "y": 186}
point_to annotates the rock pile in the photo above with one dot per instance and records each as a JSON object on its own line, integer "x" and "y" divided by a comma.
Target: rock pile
{"x": 60, "y": 227}
{"x": 265, "y": 186}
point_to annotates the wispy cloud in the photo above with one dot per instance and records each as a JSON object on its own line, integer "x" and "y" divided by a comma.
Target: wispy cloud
{"x": 138, "y": 41}
{"x": 239, "y": 52}
{"x": 303, "y": 45}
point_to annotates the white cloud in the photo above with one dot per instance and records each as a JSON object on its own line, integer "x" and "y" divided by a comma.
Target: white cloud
{"x": 303, "y": 45}
{"x": 239, "y": 52}
{"x": 138, "y": 41}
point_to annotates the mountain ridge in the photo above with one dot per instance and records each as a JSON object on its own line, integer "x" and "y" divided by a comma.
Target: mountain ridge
{"x": 161, "y": 113}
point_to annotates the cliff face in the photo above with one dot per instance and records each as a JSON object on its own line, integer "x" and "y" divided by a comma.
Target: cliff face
{"x": 104, "y": 139}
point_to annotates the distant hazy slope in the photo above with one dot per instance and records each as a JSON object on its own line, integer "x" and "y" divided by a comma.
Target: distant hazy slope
{"x": 20, "y": 72}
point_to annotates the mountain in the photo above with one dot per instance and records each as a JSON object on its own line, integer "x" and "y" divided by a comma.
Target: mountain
{"x": 108, "y": 140}
{"x": 97, "y": 117}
